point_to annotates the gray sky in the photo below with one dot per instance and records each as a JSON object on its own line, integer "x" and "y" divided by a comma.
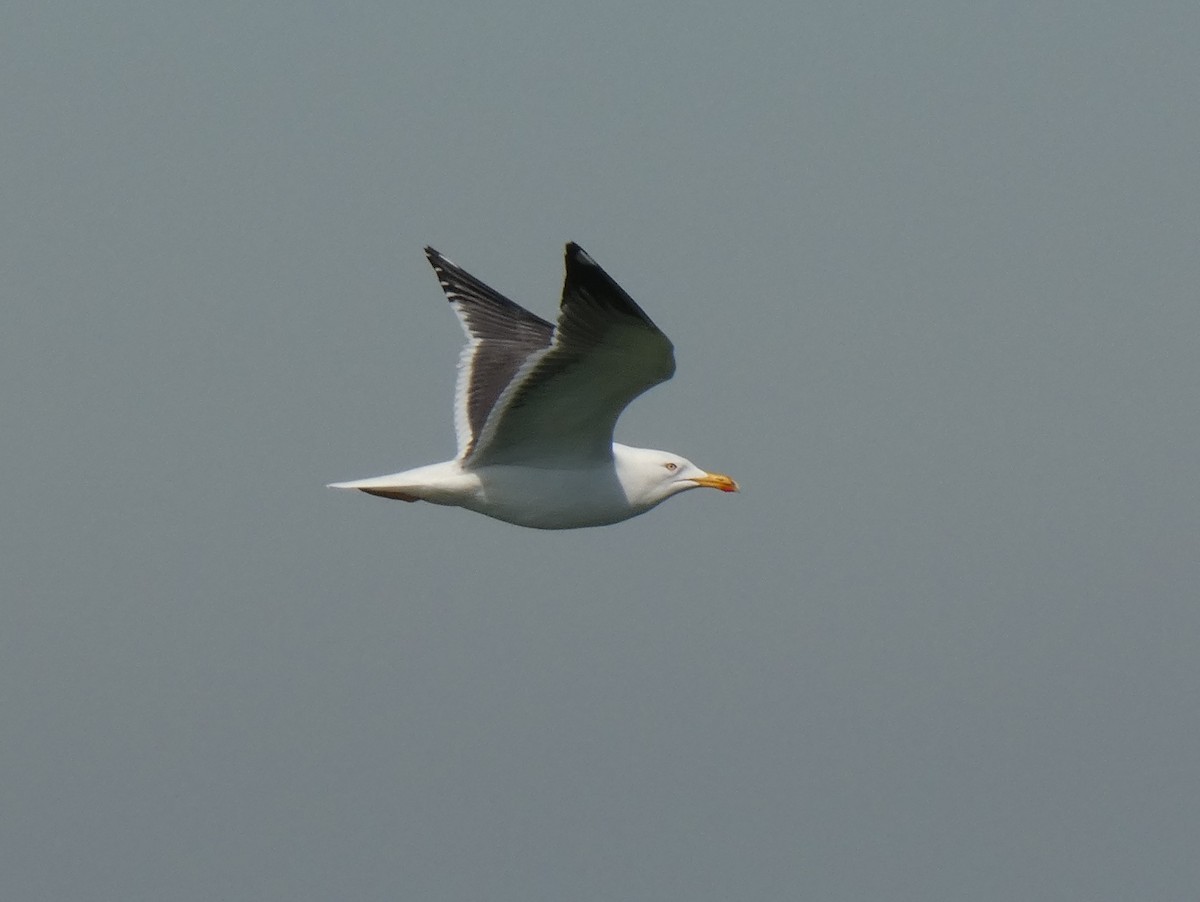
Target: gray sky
{"x": 931, "y": 271}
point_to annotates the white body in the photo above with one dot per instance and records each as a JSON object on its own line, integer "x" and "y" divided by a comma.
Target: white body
{"x": 634, "y": 481}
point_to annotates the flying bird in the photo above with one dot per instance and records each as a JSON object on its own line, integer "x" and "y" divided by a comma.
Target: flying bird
{"x": 535, "y": 406}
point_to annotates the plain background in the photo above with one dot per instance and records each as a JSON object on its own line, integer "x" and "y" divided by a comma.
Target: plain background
{"x": 931, "y": 270}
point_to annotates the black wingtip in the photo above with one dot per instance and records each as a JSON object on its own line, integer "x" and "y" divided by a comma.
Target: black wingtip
{"x": 576, "y": 254}
{"x": 442, "y": 265}
{"x": 584, "y": 274}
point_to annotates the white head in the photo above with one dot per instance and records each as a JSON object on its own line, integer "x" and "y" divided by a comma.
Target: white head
{"x": 650, "y": 477}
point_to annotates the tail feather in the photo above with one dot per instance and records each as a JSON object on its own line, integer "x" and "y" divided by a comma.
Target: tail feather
{"x": 394, "y": 494}
{"x": 380, "y": 487}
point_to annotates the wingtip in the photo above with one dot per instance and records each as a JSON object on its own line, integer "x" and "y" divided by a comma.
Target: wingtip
{"x": 578, "y": 254}
{"x": 441, "y": 264}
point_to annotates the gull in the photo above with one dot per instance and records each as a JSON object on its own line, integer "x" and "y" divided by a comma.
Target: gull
{"x": 535, "y": 405}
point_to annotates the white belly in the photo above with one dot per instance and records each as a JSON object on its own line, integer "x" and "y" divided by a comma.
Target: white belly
{"x": 551, "y": 499}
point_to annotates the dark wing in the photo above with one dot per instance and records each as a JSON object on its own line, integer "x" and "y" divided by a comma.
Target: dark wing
{"x": 501, "y": 336}
{"x": 562, "y": 404}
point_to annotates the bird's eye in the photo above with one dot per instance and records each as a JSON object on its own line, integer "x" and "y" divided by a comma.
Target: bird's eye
{"x": 671, "y": 466}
